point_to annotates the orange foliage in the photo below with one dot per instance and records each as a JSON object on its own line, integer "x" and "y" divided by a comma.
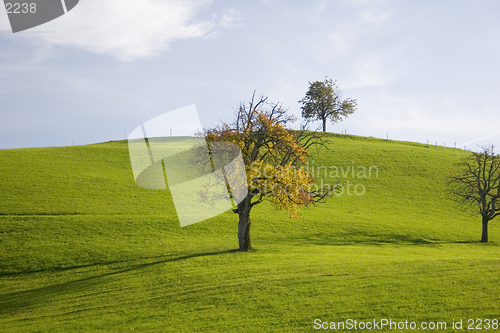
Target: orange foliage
{"x": 272, "y": 155}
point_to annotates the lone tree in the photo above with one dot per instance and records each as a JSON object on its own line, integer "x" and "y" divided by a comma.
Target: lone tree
{"x": 479, "y": 185}
{"x": 324, "y": 101}
{"x": 272, "y": 155}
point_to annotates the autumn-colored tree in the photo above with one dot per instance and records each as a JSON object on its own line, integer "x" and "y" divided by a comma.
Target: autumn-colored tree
{"x": 273, "y": 156}
{"x": 323, "y": 101}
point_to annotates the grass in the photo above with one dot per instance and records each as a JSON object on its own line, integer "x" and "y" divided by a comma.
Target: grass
{"x": 83, "y": 249}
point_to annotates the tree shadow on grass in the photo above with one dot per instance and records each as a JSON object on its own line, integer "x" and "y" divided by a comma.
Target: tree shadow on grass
{"x": 20, "y": 301}
{"x": 366, "y": 238}
{"x": 363, "y": 237}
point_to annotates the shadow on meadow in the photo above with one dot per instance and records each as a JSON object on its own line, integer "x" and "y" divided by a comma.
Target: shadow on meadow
{"x": 21, "y": 301}
{"x": 363, "y": 237}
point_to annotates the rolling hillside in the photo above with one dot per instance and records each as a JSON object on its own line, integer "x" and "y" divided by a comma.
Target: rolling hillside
{"x": 82, "y": 248}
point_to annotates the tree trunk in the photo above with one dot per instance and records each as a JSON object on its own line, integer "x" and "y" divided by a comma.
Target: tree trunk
{"x": 244, "y": 225}
{"x": 324, "y": 124}
{"x": 484, "y": 235}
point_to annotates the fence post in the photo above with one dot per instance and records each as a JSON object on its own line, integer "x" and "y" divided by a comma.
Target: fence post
{"x": 455, "y": 147}
{"x": 436, "y": 145}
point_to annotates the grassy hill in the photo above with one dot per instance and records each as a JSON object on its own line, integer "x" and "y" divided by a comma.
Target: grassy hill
{"x": 82, "y": 248}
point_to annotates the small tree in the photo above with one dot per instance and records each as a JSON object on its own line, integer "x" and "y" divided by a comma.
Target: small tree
{"x": 272, "y": 155}
{"x": 479, "y": 185}
{"x": 324, "y": 101}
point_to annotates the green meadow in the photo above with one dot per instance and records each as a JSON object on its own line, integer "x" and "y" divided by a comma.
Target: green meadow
{"x": 84, "y": 249}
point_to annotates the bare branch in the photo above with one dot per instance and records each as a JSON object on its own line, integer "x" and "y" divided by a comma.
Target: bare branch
{"x": 479, "y": 184}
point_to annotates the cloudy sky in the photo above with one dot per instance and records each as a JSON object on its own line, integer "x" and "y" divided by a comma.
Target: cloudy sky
{"x": 419, "y": 69}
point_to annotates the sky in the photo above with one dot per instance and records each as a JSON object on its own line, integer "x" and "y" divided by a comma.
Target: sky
{"x": 419, "y": 70}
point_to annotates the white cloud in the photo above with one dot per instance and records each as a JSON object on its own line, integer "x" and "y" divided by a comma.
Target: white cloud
{"x": 415, "y": 117}
{"x": 373, "y": 71}
{"x": 348, "y": 34}
{"x": 232, "y": 18}
{"x": 4, "y": 22}
{"x": 126, "y": 29}
{"x": 351, "y": 42}
{"x": 19, "y": 61}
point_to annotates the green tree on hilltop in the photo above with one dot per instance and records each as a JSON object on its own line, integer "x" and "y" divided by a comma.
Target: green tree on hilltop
{"x": 324, "y": 101}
